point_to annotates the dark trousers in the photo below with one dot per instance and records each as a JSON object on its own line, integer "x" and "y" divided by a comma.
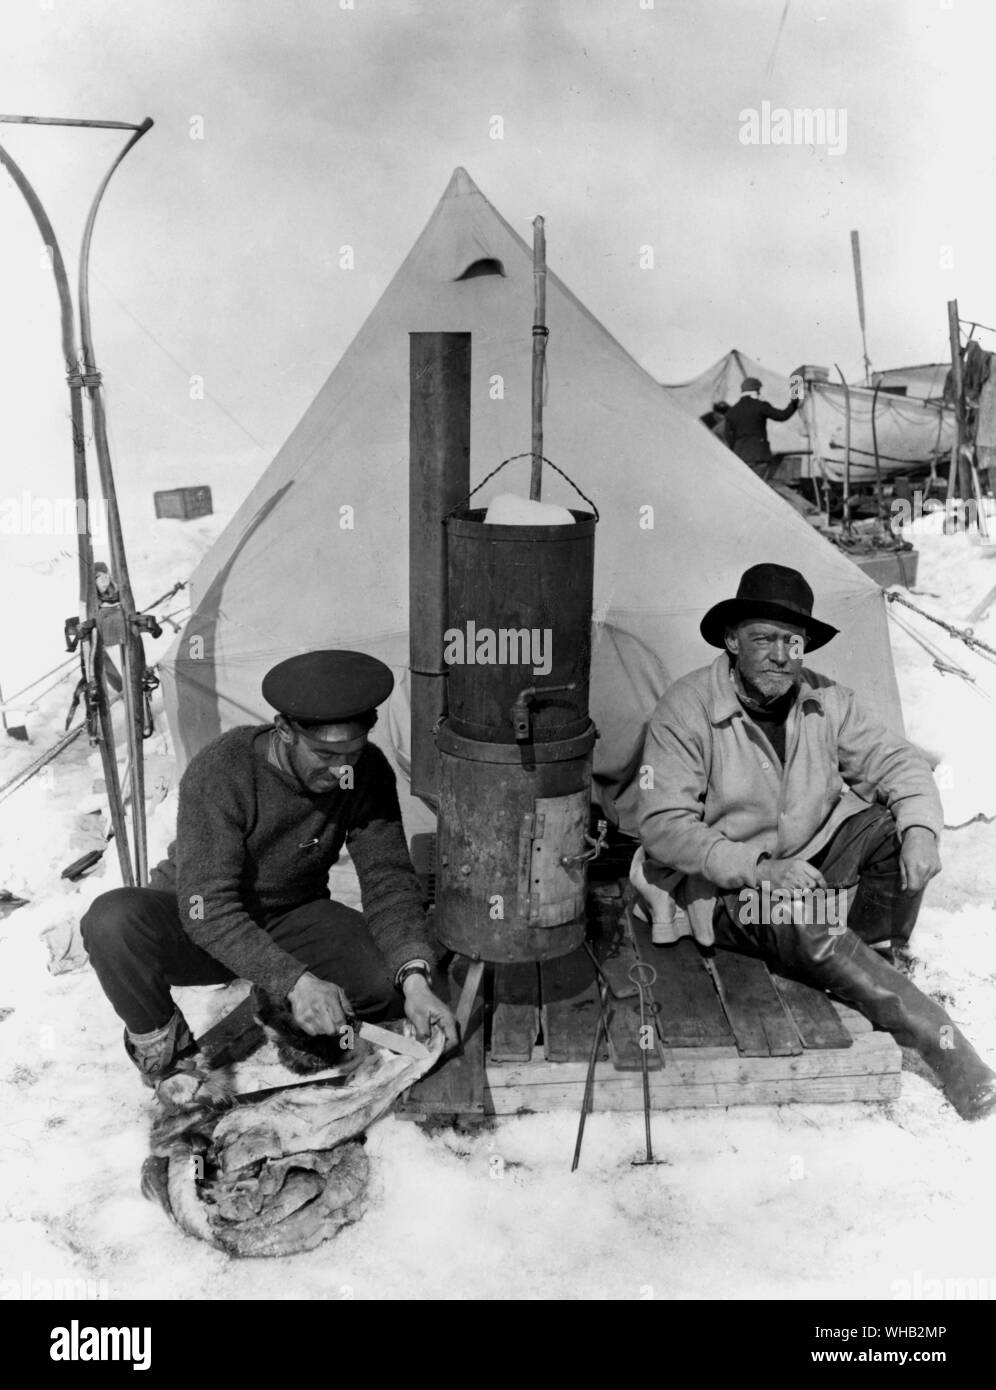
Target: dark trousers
{"x": 138, "y": 948}
{"x": 758, "y": 459}
{"x": 864, "y": 851}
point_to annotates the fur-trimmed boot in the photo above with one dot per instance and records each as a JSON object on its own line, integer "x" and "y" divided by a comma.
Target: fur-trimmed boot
{"x": 164, "y": 1051}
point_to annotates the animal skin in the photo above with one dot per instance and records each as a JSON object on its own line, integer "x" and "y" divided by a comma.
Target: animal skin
{"x": 301, "y": 1052}
{"x": 281, "y": 1175}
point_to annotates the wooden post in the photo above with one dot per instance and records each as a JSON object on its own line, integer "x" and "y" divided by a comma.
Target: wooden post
{"x": 439, "y": 479}
{"x": 879, "y": 499}
{"x": 132, "y": 651}
{"x": 540, "y": 335}
{"x": 847, "y": 451}
{"x": 859, "y": 285}
{"x": 954, "y": 336}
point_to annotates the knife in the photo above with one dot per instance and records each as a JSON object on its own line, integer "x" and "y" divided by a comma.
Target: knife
{"x": 376, "y": 1036}
{"x": 394, "y": 1042}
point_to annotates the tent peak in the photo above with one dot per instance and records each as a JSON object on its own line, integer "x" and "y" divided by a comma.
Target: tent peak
{"x": 460, "y": 184}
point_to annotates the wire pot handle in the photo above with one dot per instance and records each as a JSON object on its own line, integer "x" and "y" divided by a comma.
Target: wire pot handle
{"x": 487, "y": 478}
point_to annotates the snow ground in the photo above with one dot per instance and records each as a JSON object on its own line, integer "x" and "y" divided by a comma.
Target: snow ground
{"x": 803, "y": 1201}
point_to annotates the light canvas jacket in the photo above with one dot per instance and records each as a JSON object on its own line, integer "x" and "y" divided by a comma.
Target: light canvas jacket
{"x": 719, "y": 797}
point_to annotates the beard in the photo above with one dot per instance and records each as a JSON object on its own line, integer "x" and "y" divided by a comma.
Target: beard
{"x": 772, "y": 684}
{"x": 765, "y": 687}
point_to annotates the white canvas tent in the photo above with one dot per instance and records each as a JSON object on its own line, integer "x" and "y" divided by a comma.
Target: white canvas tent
{"x": 317, "y": 555}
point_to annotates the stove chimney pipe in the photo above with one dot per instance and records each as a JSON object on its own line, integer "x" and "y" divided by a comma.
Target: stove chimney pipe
{"x": 439, "y": 480}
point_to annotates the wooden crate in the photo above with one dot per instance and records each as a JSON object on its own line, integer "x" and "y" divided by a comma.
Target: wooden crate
{"x": 890, "y": 567}
{"x": 183, "y": 503}
{"x": 733, "y": 1034}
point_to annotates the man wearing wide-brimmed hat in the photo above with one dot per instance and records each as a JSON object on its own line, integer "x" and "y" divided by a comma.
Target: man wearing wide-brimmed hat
{"x": 264, "y": 812}
{"x": 745, "y": 426}
{"x": 767, "y": 791}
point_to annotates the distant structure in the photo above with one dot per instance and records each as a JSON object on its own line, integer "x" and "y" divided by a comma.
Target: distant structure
{"x": 925, "y": 382}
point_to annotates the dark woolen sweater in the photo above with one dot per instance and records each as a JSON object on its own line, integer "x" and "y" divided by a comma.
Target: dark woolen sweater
{"x": 745, "y": 426}
{"x": 251, "y": 844}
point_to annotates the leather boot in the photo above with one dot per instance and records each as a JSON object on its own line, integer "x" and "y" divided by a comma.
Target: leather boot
{"x": 858, "y": 976}
{"x": 883, "y": 918}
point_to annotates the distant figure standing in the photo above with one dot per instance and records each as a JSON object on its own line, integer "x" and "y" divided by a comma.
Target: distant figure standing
{"x": 746, "y": 427}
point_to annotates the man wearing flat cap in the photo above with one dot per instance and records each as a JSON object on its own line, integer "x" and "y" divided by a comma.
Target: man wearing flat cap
{"x": 793, "y": 826}
{"x": 264, "y": 812}
{"x": 745, "y": 426}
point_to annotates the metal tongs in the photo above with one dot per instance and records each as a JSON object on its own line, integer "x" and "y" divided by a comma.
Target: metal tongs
{"x": 643, "y": 976}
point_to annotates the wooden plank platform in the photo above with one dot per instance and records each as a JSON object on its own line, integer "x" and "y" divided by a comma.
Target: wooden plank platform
{"x": 691, "y": 1012}
{"x": 869, "y": 1070}
{"x": 515, "y": 1018}
{"x": 734, "y": 1034}
{"x": 570, "y": 1006}
{"x": 754, "y": 1007}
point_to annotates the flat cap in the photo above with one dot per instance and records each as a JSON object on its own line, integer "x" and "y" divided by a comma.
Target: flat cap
{"x": 327, "y": 687}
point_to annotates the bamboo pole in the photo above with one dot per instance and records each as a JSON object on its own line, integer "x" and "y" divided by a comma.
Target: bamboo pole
{"x": 540, "y": 335}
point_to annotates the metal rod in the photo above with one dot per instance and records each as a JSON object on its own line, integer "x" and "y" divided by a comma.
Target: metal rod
{"x": 645, "y": 1069}
{"x": 540, "y": 335}
{"x": 68, "y": 120}
{"x": 589, "y": 1083}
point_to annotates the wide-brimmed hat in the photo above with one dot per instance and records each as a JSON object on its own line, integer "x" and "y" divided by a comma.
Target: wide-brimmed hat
{"x": 327, "y": 687}
{"x": 768, "y": 591}
{"x": 750, "y": 383}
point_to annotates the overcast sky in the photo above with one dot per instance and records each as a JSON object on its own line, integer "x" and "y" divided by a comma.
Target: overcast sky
{"x": 326, "y": 125}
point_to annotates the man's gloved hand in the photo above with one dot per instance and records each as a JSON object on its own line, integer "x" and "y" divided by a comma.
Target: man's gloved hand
{"x": 423, "y": 1009}
{"x": 919, "y": 859}
{"x": 319, "y": 1007}
{"x": 795, "y": 874}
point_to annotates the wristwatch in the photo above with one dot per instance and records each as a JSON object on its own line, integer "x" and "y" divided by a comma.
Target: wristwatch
{"x": 414, "y": 967}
